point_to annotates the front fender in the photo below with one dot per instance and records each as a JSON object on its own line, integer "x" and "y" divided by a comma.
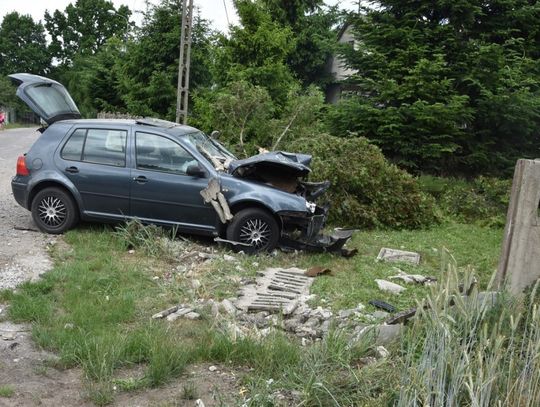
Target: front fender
{"x": 238, "y": 190}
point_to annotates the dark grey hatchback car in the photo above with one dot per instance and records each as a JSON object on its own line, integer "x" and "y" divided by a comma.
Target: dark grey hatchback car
{"x": 162, "y": 173}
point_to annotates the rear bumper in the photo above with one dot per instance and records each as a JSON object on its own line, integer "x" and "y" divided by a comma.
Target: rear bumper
{"x": 19, "y": 192}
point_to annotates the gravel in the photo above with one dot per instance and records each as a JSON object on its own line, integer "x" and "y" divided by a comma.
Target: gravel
{"x": 23, "y": 254}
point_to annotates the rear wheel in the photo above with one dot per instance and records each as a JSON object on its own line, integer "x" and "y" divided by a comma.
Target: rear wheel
{"x": 54, "y": 210}
{"x": 255, "y": 227}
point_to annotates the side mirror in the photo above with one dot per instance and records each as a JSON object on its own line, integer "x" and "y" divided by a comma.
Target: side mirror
{"x": 195, "y": 171}
{"x": 215, "y": 134}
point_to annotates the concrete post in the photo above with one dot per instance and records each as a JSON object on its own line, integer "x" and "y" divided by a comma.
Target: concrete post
{"x": 519, "y": 265}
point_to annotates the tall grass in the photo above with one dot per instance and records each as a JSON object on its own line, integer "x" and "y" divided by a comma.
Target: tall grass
{"x": 470, "y": 351}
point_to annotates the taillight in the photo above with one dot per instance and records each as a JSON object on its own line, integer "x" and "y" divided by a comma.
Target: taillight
{"x": 21, "y": 166}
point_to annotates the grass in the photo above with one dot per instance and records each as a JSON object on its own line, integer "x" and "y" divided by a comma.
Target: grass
{"x": 9, "y": 126}
{"x": 93, "y": 309}
{"x": 353, "y": 280}
{"x": 6, "y": 391}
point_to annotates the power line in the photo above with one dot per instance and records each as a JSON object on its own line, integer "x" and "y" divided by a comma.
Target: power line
{"x": 226, "y": 13}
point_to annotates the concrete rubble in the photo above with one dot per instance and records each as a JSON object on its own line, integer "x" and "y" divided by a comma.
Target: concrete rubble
{"x": 390, "y": 287}
{"x": 278, "y": 299}
{"x": 412, "y": 278}
{"x": 395, "y": 255}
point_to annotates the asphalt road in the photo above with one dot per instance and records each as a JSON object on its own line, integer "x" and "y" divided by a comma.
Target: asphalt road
{"x": 23, "y": 254}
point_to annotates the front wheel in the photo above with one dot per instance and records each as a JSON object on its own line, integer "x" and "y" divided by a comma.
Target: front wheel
{"x": 255, "y": 227}
{"x": 54, "y": 211}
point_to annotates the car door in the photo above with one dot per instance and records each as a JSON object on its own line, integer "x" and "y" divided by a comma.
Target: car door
{"x": 95, "y": 160}
{"x": 161, "y": 191}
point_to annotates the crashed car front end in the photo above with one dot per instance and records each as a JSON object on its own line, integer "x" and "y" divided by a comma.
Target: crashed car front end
{"x": 301, "y": 228}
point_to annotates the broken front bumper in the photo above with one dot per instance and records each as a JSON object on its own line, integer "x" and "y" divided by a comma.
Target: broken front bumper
{"x": 302, "y": 231}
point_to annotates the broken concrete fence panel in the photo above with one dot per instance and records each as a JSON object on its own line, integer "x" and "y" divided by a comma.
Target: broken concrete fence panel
{"x": 192, "y": 315}
{"x": 210, "y": 192}
{"x": 520, "y": 257}
{"x": 387, "y": 334}
{"x": 224, "y": 206}
{"x": 219, "y": 211}
{"x": 395, "y": 255}
{"x": 178, "y": 314}
{"x": 275, "y": 290}
{"x": 390, "y": 287}
{"x": 412, "y": 278}
{"x": 212, "y": 195}
{"x": 166, "y": 312}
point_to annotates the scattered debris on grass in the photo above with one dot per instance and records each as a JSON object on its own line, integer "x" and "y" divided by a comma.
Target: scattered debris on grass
{"x": 390, "y": 287}
{"x": 412, "y": 278}
{"x": 382, "y": 305}
{"x": 317, "y": 271}
{"x": 276, "y": 290}
{"x": 395, "y": 255}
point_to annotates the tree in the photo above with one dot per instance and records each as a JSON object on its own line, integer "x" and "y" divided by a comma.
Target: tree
{"x": 148, "y": 72}
{"x": 446, "y": 86}
{"x": 312, "y": 25}
{"x": 257, "y": 52}
{"x": 93, "y": 80}
{"x": 22, "y": 45}
{"x": 84, "y": 27}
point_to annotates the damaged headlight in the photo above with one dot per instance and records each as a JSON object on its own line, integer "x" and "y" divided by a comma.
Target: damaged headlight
{"x": 311, "y": 206}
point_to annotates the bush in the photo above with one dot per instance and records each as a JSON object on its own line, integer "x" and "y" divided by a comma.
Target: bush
{"x": 483, "y": 199}
{"x": 367, "y": 190}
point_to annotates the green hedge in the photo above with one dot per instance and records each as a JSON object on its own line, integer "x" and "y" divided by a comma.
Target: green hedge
{"x": 367, "y": 191}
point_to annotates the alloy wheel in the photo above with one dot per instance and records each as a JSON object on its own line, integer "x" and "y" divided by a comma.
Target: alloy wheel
{"x": 52, "y": 211}
{"x": 255, "y": 232}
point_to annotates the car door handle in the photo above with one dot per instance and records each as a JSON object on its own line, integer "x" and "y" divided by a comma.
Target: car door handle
{"x": 141, "y": 179}
{"x": 72, "y": 170}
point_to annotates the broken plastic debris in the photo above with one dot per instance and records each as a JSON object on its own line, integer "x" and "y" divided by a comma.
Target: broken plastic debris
{"x": 382, "y": 305}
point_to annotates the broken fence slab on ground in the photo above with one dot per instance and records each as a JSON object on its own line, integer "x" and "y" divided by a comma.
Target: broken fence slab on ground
{"x": 276, "y": 290}
{"x": 395, "y": 255}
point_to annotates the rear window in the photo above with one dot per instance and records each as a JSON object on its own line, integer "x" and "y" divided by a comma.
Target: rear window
{"x": 52, "y": 98}
{"x": 99, "y": 146}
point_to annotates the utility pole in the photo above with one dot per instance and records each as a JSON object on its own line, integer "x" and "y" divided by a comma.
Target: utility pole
{"x": 184, "y": 61}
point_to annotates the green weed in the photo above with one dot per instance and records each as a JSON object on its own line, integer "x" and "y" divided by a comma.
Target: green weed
{"x": 6, "y": 391}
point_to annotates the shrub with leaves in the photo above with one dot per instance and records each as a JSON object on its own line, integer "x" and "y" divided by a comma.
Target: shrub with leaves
{"x": 367, "y": 190}
{"x": 484, "y": 199}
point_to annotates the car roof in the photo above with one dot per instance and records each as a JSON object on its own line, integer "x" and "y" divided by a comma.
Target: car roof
{"x": 149, "y": 123}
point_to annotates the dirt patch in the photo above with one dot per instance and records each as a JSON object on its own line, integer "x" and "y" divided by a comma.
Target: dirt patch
{"x": 213, "y": 385}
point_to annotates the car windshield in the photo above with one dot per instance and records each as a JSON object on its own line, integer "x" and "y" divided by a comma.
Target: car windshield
{"x": 211, "y": 149}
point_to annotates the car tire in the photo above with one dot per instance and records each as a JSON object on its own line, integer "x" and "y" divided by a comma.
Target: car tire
{"x": 255, "y": 227}
{"x": 54, "y": 211}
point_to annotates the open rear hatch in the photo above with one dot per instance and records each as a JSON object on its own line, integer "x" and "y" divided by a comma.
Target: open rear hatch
{"x": 47, "y": 98}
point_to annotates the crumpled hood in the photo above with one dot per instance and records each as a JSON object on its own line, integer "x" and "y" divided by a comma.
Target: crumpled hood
{"x": 292, "y": 164}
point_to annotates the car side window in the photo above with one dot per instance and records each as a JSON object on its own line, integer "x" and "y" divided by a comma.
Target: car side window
{"x": 98, "y": 146}
{"x": 158, "y": 153}
{"x": 73, "y": 148}
{"x": 103, "y": 146}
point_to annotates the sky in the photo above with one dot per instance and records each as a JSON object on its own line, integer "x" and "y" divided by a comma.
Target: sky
{"x": 213, "y": 10}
